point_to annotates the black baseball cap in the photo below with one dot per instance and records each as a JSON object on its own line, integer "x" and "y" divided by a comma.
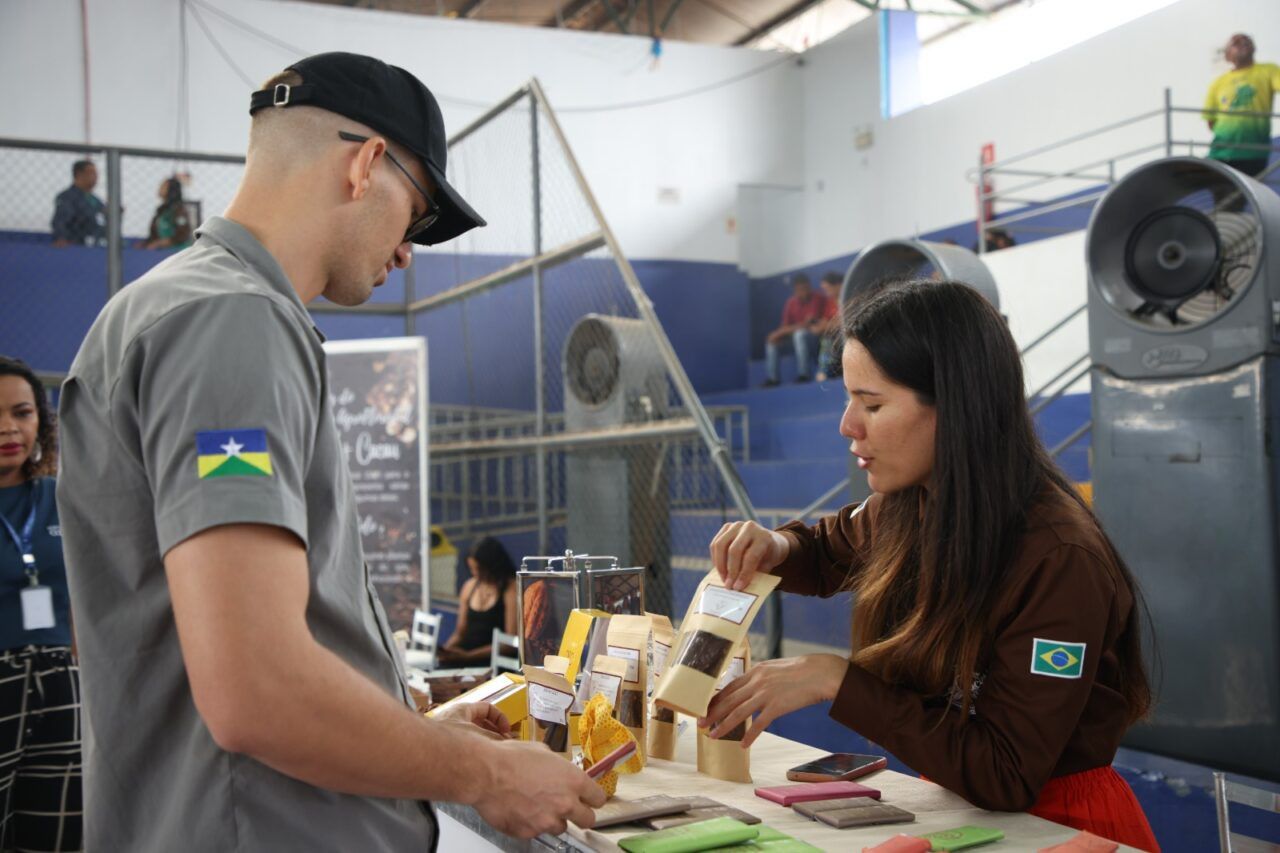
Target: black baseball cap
{"x": 394, "y": 103}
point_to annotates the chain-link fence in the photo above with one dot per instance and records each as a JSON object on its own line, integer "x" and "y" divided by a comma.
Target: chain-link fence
{"x": 78, "y": 222}
{"x": 560, "y": 415}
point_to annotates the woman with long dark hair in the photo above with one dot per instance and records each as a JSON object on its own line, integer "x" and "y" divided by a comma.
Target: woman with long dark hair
{"x": 997, "y": 637}
{"x": 171, "y": 226}
{"x": 487, "y": 601}
{"x": 39, "y": 678}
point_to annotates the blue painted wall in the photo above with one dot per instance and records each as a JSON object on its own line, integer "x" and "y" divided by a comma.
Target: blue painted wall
{"x": 51, "y": 297}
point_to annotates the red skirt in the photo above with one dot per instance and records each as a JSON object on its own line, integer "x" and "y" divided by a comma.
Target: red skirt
{"x": 1099, "y": 801}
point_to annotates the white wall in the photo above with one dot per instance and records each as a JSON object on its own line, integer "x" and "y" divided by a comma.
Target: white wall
{"x": 1039, "y": 284}
{"x": 913, "y": 179}
{"x": 702, "y": 146}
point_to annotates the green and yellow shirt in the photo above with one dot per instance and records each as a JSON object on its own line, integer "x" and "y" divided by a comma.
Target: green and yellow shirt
{"x": 1247, "y": 90}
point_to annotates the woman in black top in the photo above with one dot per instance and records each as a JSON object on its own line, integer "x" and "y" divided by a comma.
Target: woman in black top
{"x": 39, "y": 679}
{"x": 487, "y": 601}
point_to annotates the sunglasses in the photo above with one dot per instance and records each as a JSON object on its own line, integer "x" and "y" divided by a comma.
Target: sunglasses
{"x": 418, "y": 226}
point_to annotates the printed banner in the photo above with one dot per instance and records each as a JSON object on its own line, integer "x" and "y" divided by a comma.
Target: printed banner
{"x": 378, "y": 389}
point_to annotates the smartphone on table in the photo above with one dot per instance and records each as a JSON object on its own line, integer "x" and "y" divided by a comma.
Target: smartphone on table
{"x": 837, "y": 767}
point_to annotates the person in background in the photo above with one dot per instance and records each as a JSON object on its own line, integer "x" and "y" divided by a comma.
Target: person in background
{"x": 487, "y": 601}
{"x": 79, "y": 216}
{"x": 1242, "y": 141}
{"x": 803, "y": 307}
{"x": 997, "y": 644}
{"x": 39, "y": 680}
{"x": 171, "y": 224}
{"x": 827, "y": 327}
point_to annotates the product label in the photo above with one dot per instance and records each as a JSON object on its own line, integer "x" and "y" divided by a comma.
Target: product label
{"x": 549, "y": 705}
{"x": 727, "y": 604}
{"x": 660, "y": 653}
{"x": 631, "y": 656}
{"x": 736, "y": 667}
{"x": 607, "y": 686}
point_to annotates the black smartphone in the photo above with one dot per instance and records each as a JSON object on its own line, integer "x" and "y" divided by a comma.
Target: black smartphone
{"x": 839, "y": 766}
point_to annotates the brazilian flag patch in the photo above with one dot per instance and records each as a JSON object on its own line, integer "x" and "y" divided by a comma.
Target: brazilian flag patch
{"x": 1057, "y": 659}
{"x": 232, "y": 453}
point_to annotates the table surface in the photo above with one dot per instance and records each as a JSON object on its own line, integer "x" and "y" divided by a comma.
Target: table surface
{"x": 935, "y": 807}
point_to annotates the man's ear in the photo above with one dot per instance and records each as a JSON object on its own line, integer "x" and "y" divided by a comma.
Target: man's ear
{"x": 360, "y": 167}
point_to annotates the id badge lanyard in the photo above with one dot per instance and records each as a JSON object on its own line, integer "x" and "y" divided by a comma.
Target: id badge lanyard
{"x": 37, "y": 600}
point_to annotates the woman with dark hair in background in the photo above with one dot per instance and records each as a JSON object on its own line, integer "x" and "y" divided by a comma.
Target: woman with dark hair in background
{"x": 487, "y": 601}
{"x": 171, "y": 225}
{"x": 997, "y": 639}
{"x": 39, "y": 679}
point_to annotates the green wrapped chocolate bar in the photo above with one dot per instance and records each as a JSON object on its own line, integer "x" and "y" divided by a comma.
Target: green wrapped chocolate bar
{"x": 692, "y": 837}
{"x": 962, "y": 837}
{"x": 772, "y": 840}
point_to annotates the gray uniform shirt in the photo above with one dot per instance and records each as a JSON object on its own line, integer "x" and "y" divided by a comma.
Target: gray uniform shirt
{"x": 200, "y": 398}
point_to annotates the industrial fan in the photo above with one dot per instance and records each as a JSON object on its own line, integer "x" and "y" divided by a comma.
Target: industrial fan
{"x": 1183, "y": 305}
{"x": 617, "y": 494}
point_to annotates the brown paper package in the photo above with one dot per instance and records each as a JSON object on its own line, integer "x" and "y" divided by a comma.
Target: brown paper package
{"x": 554, "y": 733}
{"x": 717, "y": 619}
{"x": 631, "y": 638}
{"x": 662, "y": 721}
{"x": 724, "y": 758}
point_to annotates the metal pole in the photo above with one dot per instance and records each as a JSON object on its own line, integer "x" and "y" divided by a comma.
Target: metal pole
{"x": 539, "y": 380}
{"x": 982, "y": 205}
{"x": 409, "y": 276}
{"x": 1055, "y": 327}
{"x": 680, "y": 379}
{"x": 1168, "y": 122}
{"x": 115, "y": 213}
{"x": 1220, "y": 806}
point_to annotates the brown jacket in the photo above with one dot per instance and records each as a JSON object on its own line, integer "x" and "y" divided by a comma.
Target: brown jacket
{"x": 1063, "y": 589}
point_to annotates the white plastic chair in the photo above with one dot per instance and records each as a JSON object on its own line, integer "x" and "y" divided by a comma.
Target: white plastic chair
{"x": 423, "y": 640}
{"x": 500, "y": 662}
{"x": 1225, "y": 792}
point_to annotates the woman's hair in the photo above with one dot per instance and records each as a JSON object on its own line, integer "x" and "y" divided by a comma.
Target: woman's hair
{"x": 172, "y": 192}
{"x": 47, "y": 432}
{"x": 495, "y": 563}
{"x": 921, "y": 603}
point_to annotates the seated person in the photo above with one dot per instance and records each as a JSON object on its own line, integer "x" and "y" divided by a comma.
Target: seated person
{"x": 171, "y": 226}
{"x": 487, "y": 601}
{"x": 804, "y": 307}
{"x": 79, "y": 216}
{"x": 828, "y": 326}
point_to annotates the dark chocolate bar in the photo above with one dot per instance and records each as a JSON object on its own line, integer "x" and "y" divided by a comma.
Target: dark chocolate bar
{"x": 705, "y": 652}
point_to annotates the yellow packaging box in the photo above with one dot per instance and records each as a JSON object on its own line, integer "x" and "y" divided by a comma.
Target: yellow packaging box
{"x": 573, "y": 645}
{"x": 506, "y": 693}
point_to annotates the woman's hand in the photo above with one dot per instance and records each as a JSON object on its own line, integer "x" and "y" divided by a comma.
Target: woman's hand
{"x": 774, "y": 688}
{"x": 742, "y": 548}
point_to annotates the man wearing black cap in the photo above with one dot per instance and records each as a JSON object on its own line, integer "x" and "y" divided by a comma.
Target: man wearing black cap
{"x": 240, "y": 688}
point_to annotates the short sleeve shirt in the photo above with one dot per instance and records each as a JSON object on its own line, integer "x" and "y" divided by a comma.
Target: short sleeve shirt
{"x": 200, "y": 398}
{"x": 1248, "y": 90}
{"x": 34, "y": 500}
{"x": 796, "y": 312}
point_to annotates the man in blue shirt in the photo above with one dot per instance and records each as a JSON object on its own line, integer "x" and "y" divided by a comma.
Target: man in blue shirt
{"x": 79, "y": 216}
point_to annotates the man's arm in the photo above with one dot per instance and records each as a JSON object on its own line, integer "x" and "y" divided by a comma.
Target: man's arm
{"x": 267, "y": 689}
{"x": 61, "y": 223}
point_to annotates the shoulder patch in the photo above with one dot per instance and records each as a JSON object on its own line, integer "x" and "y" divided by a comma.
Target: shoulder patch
{"x": 1057, "y": 659}
{"x": 232, "y": 453}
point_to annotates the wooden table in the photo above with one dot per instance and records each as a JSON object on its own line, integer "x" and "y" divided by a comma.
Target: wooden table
{"x": 935, "y": 807}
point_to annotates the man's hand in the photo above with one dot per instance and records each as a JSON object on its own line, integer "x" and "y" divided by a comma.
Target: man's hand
{"x": 778, "y": 335}
{"x": 480, "y": 714}
{"x": 531, "y": 790}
